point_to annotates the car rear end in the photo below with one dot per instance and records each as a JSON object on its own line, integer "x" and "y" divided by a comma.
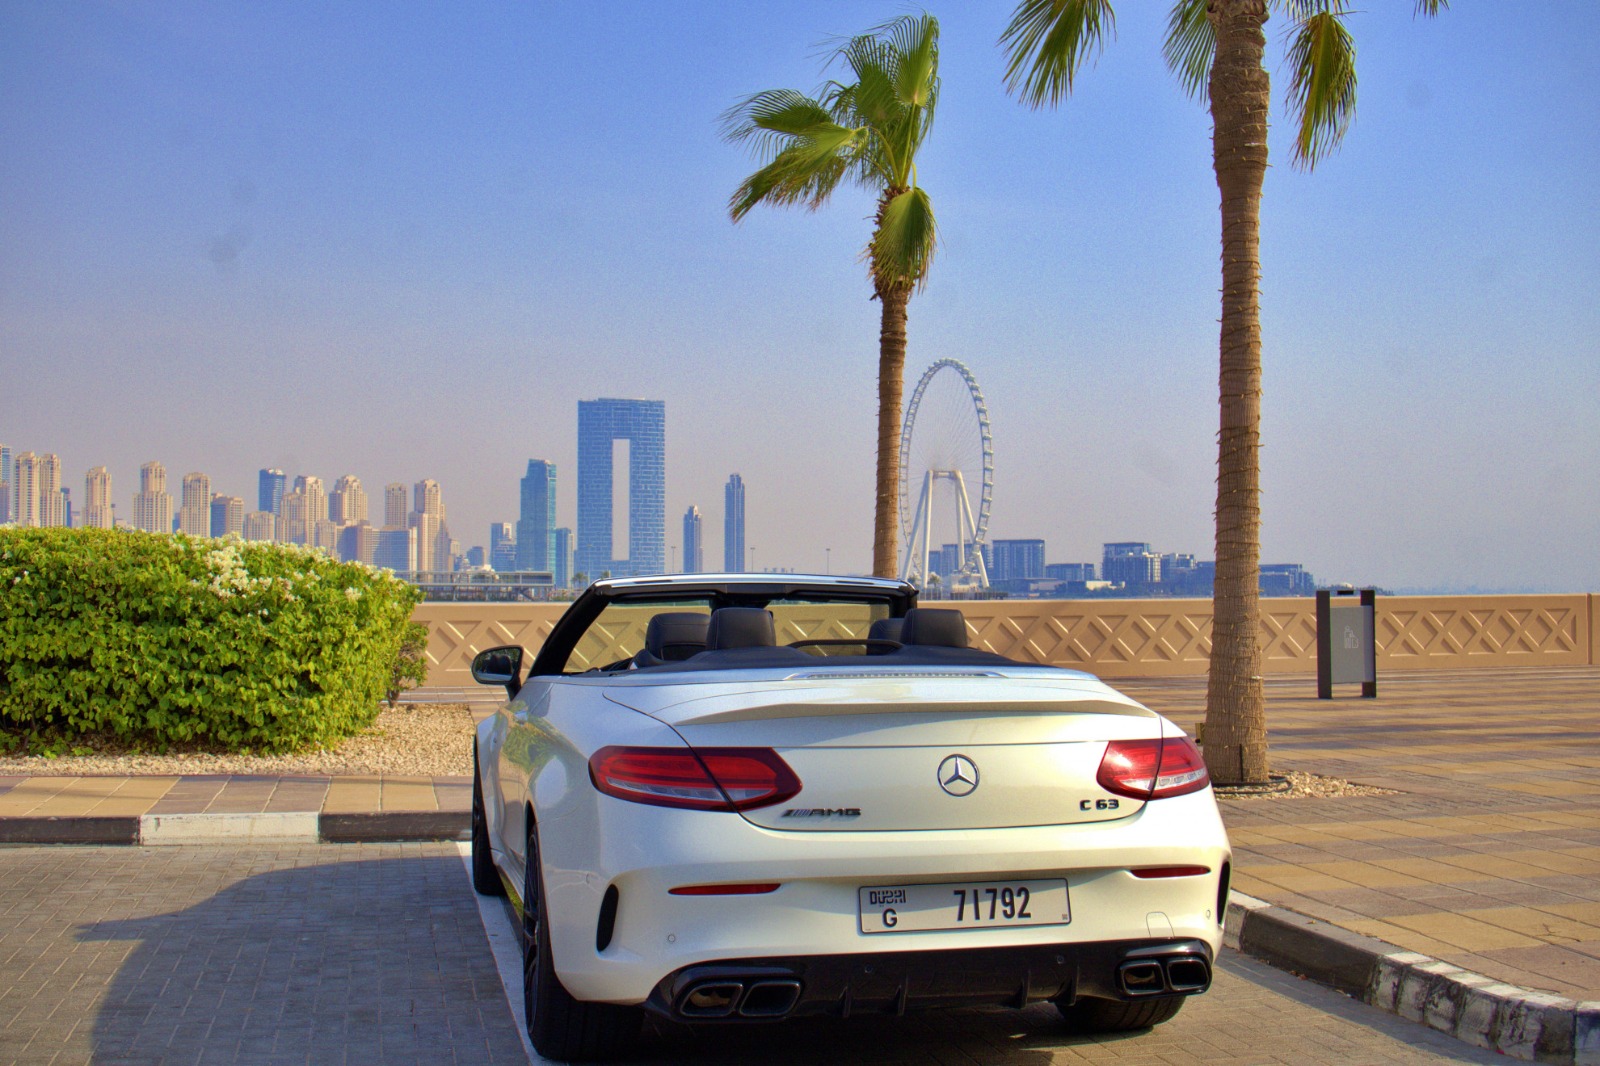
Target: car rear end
{"x": 845, "y": 841}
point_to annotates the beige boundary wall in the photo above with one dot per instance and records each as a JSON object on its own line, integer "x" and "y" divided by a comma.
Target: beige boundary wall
{"x": 1149, "y": 638}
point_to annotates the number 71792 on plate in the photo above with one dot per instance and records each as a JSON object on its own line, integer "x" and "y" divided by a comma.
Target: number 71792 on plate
{"x": 974, "y": 905}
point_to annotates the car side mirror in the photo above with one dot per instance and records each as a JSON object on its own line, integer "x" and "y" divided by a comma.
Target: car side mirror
{"x": 499, "y": 666}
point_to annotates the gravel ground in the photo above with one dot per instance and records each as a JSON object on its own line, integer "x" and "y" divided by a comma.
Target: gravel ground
{"x": 411, "y": 740}
{"x": 1298, "y": 785}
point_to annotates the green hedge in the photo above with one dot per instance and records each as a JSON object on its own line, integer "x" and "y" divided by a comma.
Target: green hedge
{"x": 155, "y": 640}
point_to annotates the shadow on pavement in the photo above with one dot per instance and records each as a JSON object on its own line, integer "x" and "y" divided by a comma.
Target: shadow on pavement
{"x": 368, "y": 961}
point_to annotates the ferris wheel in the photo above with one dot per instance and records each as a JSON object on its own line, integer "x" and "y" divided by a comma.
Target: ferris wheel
{"x": 946, "y": 455}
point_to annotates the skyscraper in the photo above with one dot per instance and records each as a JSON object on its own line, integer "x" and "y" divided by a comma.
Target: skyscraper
{"x": 348, "y": 502}
{"x": 502, "y": 547}
{"x": 152, "y": 504}
{"x": 394, "y": 505}
{"x": 97, "y": 512}
{"x": 27, "y": 489}
{"x": 642, "y": 425}
{"x": 292, "y": 525}
{"x": 227, "y": 515}
{"x": 733, "y": 525}
{"x": 271, "y": 486}
{"x": 5, "y": 483}
{"x": 694, "y": 547}
{"x": 316, "y": 500}
{"x": 396, "y": 549}
{"x": 194, "y": 513}
{"x": 260, "y": 525}
{"x": 427, "y": 518}
{"x": 562, "y": 573}
{"x": 1015, "y": 560}
{"x": 537, "y": 522}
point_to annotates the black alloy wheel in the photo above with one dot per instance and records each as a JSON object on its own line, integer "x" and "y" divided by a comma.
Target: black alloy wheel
{"x": 485, "y": 878}
{"x": 559, "y": 1026}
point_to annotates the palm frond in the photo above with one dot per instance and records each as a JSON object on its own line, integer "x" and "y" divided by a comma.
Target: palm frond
{"x": 1322, "y": 84}
{"x": 1047, "y": 42}
{"x": 902, "y": 248}
{"x": 770, "y": 118}
{"x": 1191, "y": 42}
{"x": 915, "y": 41}
{"x": 1431, "y": 7}
{"x": 801, "y": 174}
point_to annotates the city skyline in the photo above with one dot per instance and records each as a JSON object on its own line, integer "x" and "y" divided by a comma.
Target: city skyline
{"x": 365, "y": 206}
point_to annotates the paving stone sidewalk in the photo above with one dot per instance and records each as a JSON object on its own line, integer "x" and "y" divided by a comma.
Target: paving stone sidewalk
{"x": 1489, "y": 859}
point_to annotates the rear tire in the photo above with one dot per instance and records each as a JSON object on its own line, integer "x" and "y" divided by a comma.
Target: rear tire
{"x": 1090, "y": 1015}
{"x": 559, "y": 1026}
{"x": 485, "y": 877}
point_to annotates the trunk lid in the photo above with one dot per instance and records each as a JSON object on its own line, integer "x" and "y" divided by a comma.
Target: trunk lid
{"x": 900, "y": 752}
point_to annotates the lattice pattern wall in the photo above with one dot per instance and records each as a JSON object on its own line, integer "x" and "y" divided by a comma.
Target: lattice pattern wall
{"x": 1137, "y": 638}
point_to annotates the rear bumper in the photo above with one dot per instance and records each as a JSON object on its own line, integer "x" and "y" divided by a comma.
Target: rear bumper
{"x": 766, "y": 989}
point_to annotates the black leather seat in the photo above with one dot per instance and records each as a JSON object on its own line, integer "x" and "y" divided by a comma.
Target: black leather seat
{"x": 740, "y": 627}
{"x": 934, "y": 627}
{"x": 672, "y": 637}
{"x": 884, "y": 629}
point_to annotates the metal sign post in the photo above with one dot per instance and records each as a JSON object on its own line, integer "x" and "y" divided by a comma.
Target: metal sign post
{"x": 1347, "y": 648}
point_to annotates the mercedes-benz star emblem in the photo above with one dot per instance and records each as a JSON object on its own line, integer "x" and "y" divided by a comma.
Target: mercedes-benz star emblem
{"x": 958, "y": 775}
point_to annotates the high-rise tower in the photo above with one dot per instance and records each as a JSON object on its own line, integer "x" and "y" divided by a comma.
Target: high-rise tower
{"x": 602, "y": 426}
{"x": 194, "y": 512}
{"x": 97, "y": 512}
{"x": 733, "y": 525}
{"x": 537, "y": 522}
{"x": 152, "y": 505}
{"x": 271, "y": 485}
{"x": 394, "y": 506}
{"x": 694, "y": 545}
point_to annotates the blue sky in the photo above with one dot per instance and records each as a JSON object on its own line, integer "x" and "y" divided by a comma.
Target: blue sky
{"x": 402, "y": 241}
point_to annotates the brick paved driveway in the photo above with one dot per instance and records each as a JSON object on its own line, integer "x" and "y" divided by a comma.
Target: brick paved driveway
{"x": 376, "y": 953}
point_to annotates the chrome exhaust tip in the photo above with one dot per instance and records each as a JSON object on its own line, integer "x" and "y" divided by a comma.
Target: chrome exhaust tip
{"x": 1188, "y": 973}
{"x": 1141, "y": 977}
{"x": 711, "y": 999}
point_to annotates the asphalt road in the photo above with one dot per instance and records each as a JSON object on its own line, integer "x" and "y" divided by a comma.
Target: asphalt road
{"x": 379, "y": 954}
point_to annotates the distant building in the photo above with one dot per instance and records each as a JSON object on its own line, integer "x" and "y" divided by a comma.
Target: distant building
{"x": 396, "y": 549}
{"x": 1069, "y": 571}
{"x": 642, "y": 425}
{"x": 1286, "y": 579}
{"x": 324, "y": 534}
{"x": 65, "y": 505}
{"x": 1130, "y": 563}
{"x": 562, "y": 573}
{"x": 194, "y": 513}
{"x": 427, "y": 518}
{"x": 536, "y": 517}
{"x": 152, "y": 504}
{"x": 733, "y": 525}
{"x": 358, "y": 543}
{"x": 227, "y": 515}
{"x": 36, "y": 491}
{"x": 97, "y": 508}
{"x": 502, "y": 547}
{"x": 476, "y": 557}
{"x": 694, "y": 545}
{"x": 292, "y": 525}
{"x": 1015, "y": 560}
{"x": 395, "y": 507}
{"x": 315, "y": 495}
{"x": 5, "y": 483}
{"x": 260, "y": 525}
{"x": 270, "y": 487}
{"x": 347, "y": 504}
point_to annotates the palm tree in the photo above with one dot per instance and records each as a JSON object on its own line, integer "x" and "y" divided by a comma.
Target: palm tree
{"x": 1216, "y": 48}
{"x": 868, "y": 132}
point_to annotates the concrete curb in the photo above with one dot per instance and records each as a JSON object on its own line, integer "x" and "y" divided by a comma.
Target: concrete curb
{"x": 1477, "y": 1010}
{"x": 273, "y": 827}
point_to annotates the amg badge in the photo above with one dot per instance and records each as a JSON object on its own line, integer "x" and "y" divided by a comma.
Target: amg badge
{"x": 823, "y": 812}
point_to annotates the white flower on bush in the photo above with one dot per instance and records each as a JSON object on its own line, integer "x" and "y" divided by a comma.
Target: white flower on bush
{"x": 352, "y": 594}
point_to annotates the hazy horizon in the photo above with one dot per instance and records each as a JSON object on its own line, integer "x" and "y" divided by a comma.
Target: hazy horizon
{"x": 346, "y": 241}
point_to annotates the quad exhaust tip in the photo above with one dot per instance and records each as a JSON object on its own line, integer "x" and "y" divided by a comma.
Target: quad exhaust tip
{"x": 722, "y": 998}
{"x": 1164, "y": 975}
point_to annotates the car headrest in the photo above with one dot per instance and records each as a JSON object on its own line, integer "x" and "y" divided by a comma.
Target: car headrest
{"x": 935, "y": 627}
{"x": 676, "y": 635}
{"x": 740, "y": 627}
{"x": 884, "y": 629}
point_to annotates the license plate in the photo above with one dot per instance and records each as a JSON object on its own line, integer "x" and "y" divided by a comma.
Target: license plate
{"x": 976, "y": 905}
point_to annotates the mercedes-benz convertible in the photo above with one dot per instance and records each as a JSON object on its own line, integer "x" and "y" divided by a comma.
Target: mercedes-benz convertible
{"x": 732, "y": 799}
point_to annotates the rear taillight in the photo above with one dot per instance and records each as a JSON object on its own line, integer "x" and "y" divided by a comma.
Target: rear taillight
{"x": 710, "y": 779}
{"x": 1152, "y": 769}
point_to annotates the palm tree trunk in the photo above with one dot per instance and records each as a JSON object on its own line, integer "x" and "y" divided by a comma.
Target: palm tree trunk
{"x": 891, "y": 384}
{"x": 1236, "y": 724}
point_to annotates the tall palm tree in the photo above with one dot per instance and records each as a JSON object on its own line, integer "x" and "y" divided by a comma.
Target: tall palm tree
{"x": 866, "y": 131}
{"x": 1216, "y": 48}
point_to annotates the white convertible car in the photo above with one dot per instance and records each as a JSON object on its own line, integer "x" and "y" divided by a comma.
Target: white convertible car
{"x": 739, "y": 798}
